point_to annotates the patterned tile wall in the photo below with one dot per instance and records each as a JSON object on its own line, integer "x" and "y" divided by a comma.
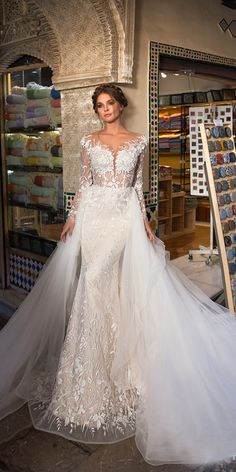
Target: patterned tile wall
{"x": 23, "y": 271}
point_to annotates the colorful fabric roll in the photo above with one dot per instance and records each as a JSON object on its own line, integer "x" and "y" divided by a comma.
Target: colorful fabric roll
{"x": 42, "y": 191}
{"x": 18, "y": 108}
{"x": 12, "y": 124}
{"x": 16, "y": 99}
{"x": 37, "y": 121}
{"x": 16, "y": 161}
{"x": 18, "y": 140}
{"x": 44, "y": 181}
{"x": 37, "y": 93}
{"x": 23, "y": 180}
{"x": 38, "y": 103}
{"x": 16, "y": 90}
{"x": 55, "y": 93}
{"x": 15, "y": 152}
{"x": 14, "y": 116}
{"x": 56, "y": 103}
{"x": 56, "y": 151}
{"x": 35, "y": 112}
{"x": 38, "y": 200}
{"x": 37, "y": 153}
{"x": 57, "y": 161}
{"x": 39, "y": 161}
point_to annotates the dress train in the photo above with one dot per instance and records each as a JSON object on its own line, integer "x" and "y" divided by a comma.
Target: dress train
{"x": 124, "y": 347}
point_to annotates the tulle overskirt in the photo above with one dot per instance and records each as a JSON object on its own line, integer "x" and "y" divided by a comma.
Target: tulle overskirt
{"x": 167, "y": 374}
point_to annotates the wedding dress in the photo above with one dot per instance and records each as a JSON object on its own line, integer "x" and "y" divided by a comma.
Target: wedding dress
{"x": 113, "y": 341}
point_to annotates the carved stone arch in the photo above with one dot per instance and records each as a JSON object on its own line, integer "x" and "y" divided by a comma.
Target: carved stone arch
{"x": 24, "y": 29}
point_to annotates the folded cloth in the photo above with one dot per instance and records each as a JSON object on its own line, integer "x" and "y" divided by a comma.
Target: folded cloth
{"x": 16, "y": 99}
{"x": 38, "y": 93}
{"x": 18, "y": 140}
{"x": 37, "y": 153}
{"x": 16, "y": 90}
{"x": 55, "y": 93}
{"x": 24, "y": 180}
{"x": 42, "y": 191}
{"x": 34, "y": 112}
{"x": 56, "y": 150}
{"x": 45, "y": 181}
{"x": 14, "y": 116}
{"x": 15, "y": 152}
{"x": 38, "y": 103}
{"x": 39, "y": 161}
{"x": 13, "y": 188}
{"x": 10, "y": 124}
{"x": 37, "y": 121}
{"x": 18, "y": 108}
{"x": 57, "y": 161}
{"x": 48, "y": 201}
{"x": 56, "y": 103}
{"x": 20, "y": 198}
{"x": 16, "y": 161}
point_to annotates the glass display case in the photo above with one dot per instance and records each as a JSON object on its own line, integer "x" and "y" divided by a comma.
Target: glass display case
{"x": 34, "y": 159}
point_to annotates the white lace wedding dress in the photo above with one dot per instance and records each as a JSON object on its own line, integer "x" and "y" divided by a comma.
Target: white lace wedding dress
{"x": 114, "y": 341}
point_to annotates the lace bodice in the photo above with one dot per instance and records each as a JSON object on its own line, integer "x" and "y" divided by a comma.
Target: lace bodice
{"x": 100, "y": 165}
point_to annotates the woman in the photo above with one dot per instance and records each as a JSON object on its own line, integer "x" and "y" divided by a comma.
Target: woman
{"x": 113, "y": 341}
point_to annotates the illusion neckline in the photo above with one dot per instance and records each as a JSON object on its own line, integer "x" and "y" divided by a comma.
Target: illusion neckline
{"x": 97, "y": 142}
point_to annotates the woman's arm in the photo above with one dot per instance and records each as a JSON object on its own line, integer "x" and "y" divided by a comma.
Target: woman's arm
{"x": 138, "y": 185}
{"x": 84, "y": 181}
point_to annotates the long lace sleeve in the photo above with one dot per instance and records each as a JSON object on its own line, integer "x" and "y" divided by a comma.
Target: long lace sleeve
{"x": 138, "y": 184}
{"x": 85, "y": 179}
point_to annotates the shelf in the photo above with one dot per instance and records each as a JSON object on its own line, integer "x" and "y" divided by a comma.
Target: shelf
{"x": 164, "y": 218}
{"x": 32, "y": 206}
{"x": 179, "y": 220}
{"x": 54, "y": 170}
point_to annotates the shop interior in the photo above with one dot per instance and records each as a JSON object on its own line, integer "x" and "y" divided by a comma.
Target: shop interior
{"x": 183, "y": 84}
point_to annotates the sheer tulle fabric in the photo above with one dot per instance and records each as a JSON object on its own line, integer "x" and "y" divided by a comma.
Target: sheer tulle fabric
{"x": 127, "y": 346}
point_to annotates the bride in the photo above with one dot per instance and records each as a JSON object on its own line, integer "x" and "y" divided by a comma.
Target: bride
{"x": 113, "y": 341}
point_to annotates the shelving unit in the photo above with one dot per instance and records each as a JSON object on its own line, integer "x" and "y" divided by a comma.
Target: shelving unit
{"x": 173, "y": 143}
{"x": 174, "y": 218}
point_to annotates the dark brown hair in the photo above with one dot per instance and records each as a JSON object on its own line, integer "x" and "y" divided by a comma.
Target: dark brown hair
{"x": 112, "y": 90}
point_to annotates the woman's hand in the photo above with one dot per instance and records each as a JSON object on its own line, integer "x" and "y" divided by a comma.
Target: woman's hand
{"x": 149, "y": 231}
{"x": 67, "y": 228}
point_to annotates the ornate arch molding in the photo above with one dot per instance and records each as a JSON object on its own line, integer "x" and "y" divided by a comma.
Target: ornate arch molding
{"x": 24, "y": 29}
{"x": 99, "y": 47}
{"x": 112, "y": 55}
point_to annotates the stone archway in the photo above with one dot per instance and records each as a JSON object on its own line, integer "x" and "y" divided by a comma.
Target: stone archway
{"x": 85, "y": 42}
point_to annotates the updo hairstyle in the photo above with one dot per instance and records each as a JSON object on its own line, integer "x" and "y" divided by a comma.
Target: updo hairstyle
{"x": 112, "y": 90}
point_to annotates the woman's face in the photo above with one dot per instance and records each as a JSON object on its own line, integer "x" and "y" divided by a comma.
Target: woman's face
{"x": 109, "y": 110}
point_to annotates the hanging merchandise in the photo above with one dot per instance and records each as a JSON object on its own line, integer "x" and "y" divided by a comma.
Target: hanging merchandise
{"x": 220, "y": 166}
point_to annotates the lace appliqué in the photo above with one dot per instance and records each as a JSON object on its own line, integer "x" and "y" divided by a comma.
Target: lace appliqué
{"x": 102, "y": 167}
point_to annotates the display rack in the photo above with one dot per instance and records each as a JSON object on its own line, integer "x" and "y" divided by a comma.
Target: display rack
{"x": 174, "y": 143}
{"x": 220, "y": 165}
{"x": 175, "y": 219}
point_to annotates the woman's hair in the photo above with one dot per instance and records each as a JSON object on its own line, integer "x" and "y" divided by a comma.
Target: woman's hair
{"x": 112, "y": 90}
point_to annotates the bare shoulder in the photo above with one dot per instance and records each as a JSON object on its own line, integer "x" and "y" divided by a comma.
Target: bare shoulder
{"x": 134, "y": 135}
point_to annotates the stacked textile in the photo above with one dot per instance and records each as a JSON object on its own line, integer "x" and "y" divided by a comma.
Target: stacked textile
{"x": 44, "y": 190}
{"x": 15, "y": 110}
{"x": 15, "y": 149}
{"x": 44, "y": 150}
{"x": 33, "y": 106}
{"x": 165, "y": 171}
{"x": 175, "y": 121}
{"x": 170, "y": 142}
{"x": 164, "y": 122}
{"x": 19, "y": 187}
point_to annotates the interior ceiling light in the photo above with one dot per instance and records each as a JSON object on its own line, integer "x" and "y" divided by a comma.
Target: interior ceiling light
{"x": 164, "y": 75}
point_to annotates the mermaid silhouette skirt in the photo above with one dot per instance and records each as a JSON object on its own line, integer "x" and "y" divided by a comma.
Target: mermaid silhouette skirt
{"x": 114, "y": 341}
